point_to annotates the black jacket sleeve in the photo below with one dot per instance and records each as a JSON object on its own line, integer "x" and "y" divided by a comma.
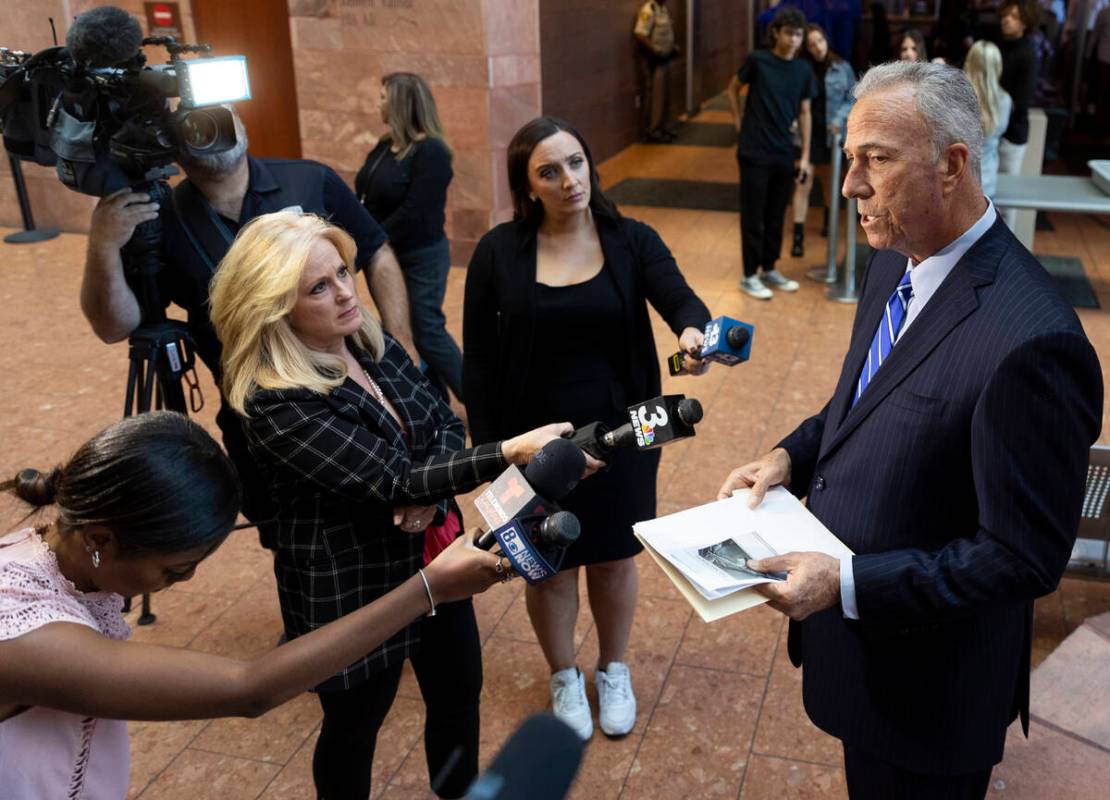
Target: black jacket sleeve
{"x": 481, "y": 349}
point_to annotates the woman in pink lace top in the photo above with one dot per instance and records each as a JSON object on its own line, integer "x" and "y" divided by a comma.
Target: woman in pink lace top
{"x": 139, "y": 506}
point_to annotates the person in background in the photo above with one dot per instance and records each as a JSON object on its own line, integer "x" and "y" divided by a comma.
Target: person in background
{"x": 911, "y": 47}
{"x": 555, "y": 320}
{"x": 654, "y": 34}
{"x": 1020, "y": 68}
{"x": 880, "y": 51}
{"x": 140, "y": 506}
{"x": 983, "y": 66}
{"x": 220, "y": 194}
{"x": 1100, "y": 44}
{"x": 780, "y": 88}
{"x": 403, "y": 185}
{"x": 835, "y": 80}
{"x": 363, "y": 458}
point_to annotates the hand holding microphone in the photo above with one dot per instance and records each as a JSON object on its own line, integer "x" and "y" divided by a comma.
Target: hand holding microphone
{"x": 726, "y": 341}
{"x": 651, "y": 424}
{"x": 523, "y": 518}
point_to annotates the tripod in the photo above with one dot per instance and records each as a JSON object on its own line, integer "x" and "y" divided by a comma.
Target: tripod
{"x": 160, "y": 350}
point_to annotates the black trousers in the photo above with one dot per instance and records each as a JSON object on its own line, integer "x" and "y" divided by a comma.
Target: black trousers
{"x": 765, "y": 191}
{"x": 449, "y": 671}
{"x": 871, "y": 778}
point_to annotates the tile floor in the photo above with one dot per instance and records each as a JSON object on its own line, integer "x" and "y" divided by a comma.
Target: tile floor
{"x": 720, "y": 707}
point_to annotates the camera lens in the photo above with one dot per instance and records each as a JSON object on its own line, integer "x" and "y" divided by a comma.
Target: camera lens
{"x": 199, "y": 130}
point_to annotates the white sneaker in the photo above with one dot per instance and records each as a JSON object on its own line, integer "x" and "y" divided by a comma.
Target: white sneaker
{"x": 617, "y": 704}
{"x": 569, "y": 703}
{"x": 779, "y": 281}
{"x": 754, "y": 286}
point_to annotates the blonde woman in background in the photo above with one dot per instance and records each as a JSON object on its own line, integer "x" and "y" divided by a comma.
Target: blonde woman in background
{"x": 403, "y": 185}
{"x": 362, "y": 458}
{"x": 984, "y": 66}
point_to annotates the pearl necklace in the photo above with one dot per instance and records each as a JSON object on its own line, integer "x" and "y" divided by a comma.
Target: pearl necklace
{"x": 376, "y": 390}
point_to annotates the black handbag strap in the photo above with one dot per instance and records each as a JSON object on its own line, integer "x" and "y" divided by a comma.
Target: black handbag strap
{"x": 370, "y": 172}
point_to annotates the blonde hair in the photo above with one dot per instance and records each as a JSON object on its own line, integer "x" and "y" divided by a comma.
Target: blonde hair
{"x": 983, "y": 67}
{"x": 412, "y": 111}
{"x": 251, "y": 295}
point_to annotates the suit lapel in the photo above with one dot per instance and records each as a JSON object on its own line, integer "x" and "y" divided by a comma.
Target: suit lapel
{"x": 350, "y": 393}
{"x": 955, "y": 299}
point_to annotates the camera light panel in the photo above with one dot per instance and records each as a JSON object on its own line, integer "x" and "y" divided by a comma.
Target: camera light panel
{"x": 208, "y": 81}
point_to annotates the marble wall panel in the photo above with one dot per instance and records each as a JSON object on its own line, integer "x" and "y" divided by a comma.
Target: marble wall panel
{"x": 512, "y": 27}
{"x": 514, "y": 69}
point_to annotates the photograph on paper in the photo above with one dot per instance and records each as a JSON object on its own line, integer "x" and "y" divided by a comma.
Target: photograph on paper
{"x": 721, "y": 567}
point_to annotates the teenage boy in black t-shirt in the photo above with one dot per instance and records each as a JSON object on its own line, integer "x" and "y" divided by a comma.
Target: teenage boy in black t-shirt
{"x": 779, "y": 90}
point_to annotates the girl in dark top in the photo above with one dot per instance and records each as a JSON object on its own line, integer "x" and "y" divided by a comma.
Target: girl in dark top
{"x": 835, "y": 80}
{"x": 403, "y": 185}
{"x": 780, "y": 87}
{"x": 911, "y": 47}
{"x": 1019, "y": 79}
{"x": 556, "y": 319}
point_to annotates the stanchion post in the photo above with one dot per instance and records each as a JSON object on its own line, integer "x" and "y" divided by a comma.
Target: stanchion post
{"x": 845, "y": 290}
{"x": 827, "y": 273}
{"x": 29, "y": 233}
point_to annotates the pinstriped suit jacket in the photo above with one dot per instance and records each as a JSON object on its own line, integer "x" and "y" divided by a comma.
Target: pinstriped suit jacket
{"x": 337, "y": 465}
{"x": 957, "y": 480}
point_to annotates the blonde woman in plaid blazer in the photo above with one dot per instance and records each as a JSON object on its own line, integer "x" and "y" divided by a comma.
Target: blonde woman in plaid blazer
{"x": 361, "y": 456}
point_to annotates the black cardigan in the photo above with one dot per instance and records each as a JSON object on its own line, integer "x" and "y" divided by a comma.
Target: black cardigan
{"x": 499, "y": 316}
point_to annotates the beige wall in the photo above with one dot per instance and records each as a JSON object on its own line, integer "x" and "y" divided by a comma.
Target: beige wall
{"x": 24, "y": 25}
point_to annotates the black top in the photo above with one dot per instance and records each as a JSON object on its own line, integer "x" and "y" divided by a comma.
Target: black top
{"x": 407, "y": 195}
{"x": 576, "y": 335}
{"x": 274, "y": 185}
{"x": 777, "y": 87}
{"x": 499, "y": 316}
{"x": 1019, "y": 79}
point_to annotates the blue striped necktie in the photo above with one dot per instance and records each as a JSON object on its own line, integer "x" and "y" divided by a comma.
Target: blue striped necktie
{"x": 886, "y": 335}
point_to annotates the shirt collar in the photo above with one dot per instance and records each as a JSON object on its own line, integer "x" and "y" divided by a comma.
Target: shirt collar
{"x": 261, "y": 179}
{"x": 930, "y": 273}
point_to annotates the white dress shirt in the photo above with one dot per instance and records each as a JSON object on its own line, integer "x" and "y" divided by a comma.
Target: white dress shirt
{"x": 925, "y": 278}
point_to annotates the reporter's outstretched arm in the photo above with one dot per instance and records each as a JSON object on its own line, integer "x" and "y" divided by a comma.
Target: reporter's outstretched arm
{"x": 71, "y": 667}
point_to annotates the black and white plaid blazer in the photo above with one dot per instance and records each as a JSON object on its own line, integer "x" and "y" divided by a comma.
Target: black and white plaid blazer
{"x": 337, "y": 465}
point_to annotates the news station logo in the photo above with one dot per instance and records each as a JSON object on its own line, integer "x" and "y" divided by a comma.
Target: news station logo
{"x": 519, "y": 550}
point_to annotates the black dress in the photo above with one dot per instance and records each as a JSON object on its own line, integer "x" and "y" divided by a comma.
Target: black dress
{"x": 574, "y": 375}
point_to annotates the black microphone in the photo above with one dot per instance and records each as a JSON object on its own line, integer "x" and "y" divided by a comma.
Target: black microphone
{"x": 559, "y": 530}
{"x": 651, "y": 424}
{"x": 104, "y": 37}
{"x": 538, "y": 762}
{"x": 530, "y": 496}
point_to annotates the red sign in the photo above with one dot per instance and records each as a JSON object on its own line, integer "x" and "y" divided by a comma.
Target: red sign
{"x": 163, "y": 19}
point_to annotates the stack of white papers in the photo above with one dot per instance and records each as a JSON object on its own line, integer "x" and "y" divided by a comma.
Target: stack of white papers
{"x": 704, "y": 550}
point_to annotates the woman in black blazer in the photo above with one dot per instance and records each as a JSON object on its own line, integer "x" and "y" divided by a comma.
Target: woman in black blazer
{"x": 556, "y": 318}
{"x": 361, "y": 456}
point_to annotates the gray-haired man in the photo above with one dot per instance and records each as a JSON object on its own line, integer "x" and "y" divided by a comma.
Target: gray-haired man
{"x": 951, "y": 459}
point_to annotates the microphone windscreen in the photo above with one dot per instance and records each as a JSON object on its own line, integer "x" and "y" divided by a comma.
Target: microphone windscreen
{"x": 561, "y": 529}
{"x": 538, "y": 762}
{"x": 690, "y": 411}
{"x": 104, "y": 37}
{"x": 555, "y": 469}
{"x": 737, "y": 337}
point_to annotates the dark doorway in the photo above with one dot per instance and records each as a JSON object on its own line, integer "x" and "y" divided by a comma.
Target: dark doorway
{"x": 258, "y": 29}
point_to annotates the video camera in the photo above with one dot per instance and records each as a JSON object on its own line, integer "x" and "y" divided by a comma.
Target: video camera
{"x": 97, "y": 113}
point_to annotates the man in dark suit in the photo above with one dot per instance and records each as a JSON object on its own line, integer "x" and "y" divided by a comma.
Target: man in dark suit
{"x": 951, "y": 459}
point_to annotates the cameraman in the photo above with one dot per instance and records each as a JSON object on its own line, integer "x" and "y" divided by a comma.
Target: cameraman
{"x": 222, "y": 193}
